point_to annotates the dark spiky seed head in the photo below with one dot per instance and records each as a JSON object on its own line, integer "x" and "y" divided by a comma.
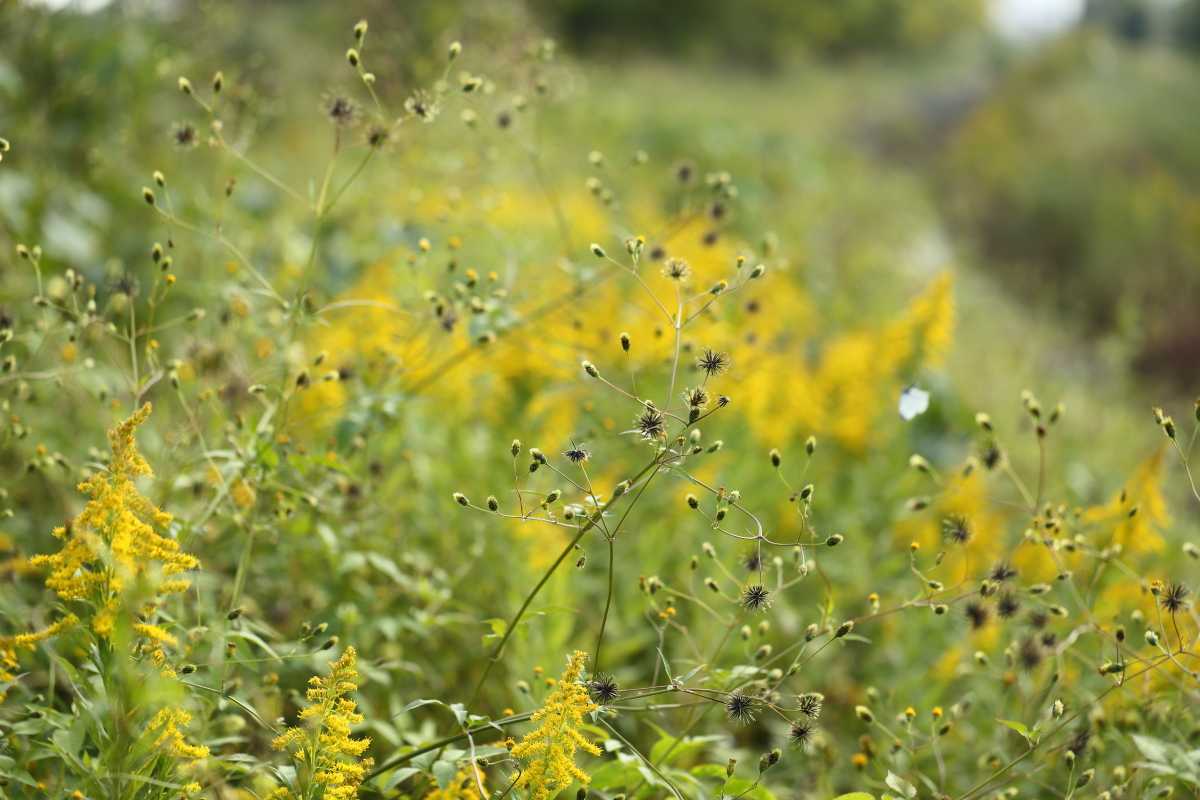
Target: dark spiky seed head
{"x": 341, "y": 110}
{"x": 697, "y": 398}
{"x": 650, "y": 423}
{"x": 978, "y": 613}
{"x": 1078, "y": 743}
{"x": 578, "y": 455}
{"x": 740, "y": 707}
{"x": 756, "y": 598}
{"x": 676, "y": 269}
{"x": 990, "y": 453}
{"x": 604, "y": 689}
{"x": 1038, "y": 619}
{"x": 1002, "y": 571}
{"x": 752, "y": 561}
{"x": 183, "y": 135}
{"x": 125, "y": 284}
{"x": 800, "y": 733}
{"x": 1007, "y": 605}
{"x": 1029, "y": 654}
{"x": 713, "y": 362}
{"x": 1173, "y": 598}
{"x": 957, "y": 529}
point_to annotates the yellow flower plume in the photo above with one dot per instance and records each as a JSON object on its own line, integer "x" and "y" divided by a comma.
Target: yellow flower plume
{"x": 113, "y": 540}
{"x": 552, "y": 746}
{"x": 326, "y": 742}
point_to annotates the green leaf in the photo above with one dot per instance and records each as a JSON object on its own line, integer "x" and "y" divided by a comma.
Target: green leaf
{"x": 709, "y": 770}
{"x": 1016, "y": 726}
{"x": 417, "y": 704}
{"x": 688, "y": 677}
{"x": 396, "y": 777}
{"x": 665, "y": 664}
{"x": 443, "y": 773}
{"x": 900, "y": 785}
{"x": 69, "y": 740}
{"x": 268, "y": 458}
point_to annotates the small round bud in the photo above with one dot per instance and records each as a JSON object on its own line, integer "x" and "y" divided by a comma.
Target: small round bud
{"x": 352, "y": 57}
{"x": 553, "y": 496}
{"x": 729, "y": 768}
{"x": 843, "y": 629}
{"x": 1085, "y": 778}
{"x": 1152, "y": 638}
{"x": 597, "y": 250}
{"x": 595, "y": 158}
{"x": 625, "y": 341}
{"x": 711, "y": 584}
{"x": 537, "y": 455}
{"x": 218, "y": 82}
{"x": 757, "y": 272}
{"x": 360, "y": 31}
{"x": 835, "y": 540}
{"x": 1168, "y": 425}
{"x": 159, "y": 178}
{"x": 864, "y": 713}
{"x": 492, "y": 503}
{"x": 330, "y": 642}
{"x": 188, "y": 669}
{"x": 461, "y": 499}
{"x": 455, "y": 49}
{"x": 1058, "y": 709}
{"x": 147, "y": 195}
{"x": 237, "y": 612}
{"x": 919, "y": 463}
{"x": 776, "y": 458}
{"x": 694, "y": 502}
{"x": 185, "y": 86}
{"x": 807, "y": 492}
{"x": 810, "y": 445}
{"x": 590, "y": 369}
{"x": 515, "y": 448}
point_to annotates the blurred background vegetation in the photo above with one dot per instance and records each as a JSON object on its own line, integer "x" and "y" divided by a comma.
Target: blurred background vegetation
{"x": 876, "y": 145}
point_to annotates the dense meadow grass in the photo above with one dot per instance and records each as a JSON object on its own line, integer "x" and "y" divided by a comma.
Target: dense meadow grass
{"x": 389, "y": 414}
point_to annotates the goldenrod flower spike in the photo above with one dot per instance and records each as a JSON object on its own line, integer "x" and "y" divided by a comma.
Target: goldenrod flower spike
{"x": 552, "y": 746}
{"x": 326, "y": 740}
{"x": 113, "y": 540}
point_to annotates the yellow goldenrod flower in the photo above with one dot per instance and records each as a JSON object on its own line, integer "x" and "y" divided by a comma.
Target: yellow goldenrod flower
{"x": 326, "y": 742}
{"x": 171, "y": 740}
{"x": 464, "y": 786}
{"x": 113, "y": 541}
{"x": 552, "y": 746}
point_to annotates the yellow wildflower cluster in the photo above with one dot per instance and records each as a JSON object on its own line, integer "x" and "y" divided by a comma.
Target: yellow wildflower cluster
{"x": 327, "y": 741}
{"x": 113, "y": 540}
{"x": 464, "y": 786}
{"x": 171, "y": 740}
{"x": 552, "y": 746}
{"x": 8, "y": 663}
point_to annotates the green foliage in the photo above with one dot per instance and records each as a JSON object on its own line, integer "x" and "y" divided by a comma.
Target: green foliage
{"x": 402, "y": 403}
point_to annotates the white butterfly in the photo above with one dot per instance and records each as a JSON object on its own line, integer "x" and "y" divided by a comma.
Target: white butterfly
{"x": 913, "y": 401}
